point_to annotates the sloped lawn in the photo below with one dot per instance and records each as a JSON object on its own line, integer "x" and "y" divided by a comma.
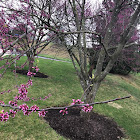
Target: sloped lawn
{"x": 62, "y": 83}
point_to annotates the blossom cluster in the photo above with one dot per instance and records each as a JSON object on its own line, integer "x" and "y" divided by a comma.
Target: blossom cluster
{"x": 64, "y": 111}
{"x": 34, "y": 108}
{"x": 78, "y": 101}
{"x": 42, "y": 113}
{"x": 22, "y": 90}
{"x": 30, "y": 74}
{"x": 4, "y": 116}
{"x": 25, "y": 109}
{"x": 12, "y": 113}
{"x": 36, "y": 68}
{"x": 13, "y": 103}
{"x": 86, "y": 108}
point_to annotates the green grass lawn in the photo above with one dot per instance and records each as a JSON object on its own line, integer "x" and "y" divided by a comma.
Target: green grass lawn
{"x": 64, "y": 86}
{"x": 55, "y": 57}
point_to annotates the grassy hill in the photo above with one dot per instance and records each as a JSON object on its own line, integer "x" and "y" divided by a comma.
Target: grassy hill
{"x": 64, "y": 86}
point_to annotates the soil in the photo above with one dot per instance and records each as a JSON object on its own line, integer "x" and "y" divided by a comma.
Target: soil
{"x": 75, "y": 127}
{"x": 38, "y": 74}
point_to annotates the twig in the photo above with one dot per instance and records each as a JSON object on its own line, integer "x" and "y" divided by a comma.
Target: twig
{"x": 59, "y": 108}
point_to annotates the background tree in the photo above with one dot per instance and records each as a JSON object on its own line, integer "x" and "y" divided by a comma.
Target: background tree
{"x": 26, "y": 34}
{"x": 127, "y": 60}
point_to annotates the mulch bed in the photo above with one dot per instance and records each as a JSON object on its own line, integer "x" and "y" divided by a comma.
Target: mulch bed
{"x": 38, "y": 74}
{"x": 75, "y": 127}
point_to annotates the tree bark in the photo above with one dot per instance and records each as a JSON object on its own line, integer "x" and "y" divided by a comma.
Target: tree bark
{"x": 91, "y": 93}
{"x": 30, "y": 61}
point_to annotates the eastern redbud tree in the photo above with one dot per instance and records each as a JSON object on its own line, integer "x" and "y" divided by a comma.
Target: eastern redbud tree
{"x": 127, "y": 60}
{"x": 72, "y": 24}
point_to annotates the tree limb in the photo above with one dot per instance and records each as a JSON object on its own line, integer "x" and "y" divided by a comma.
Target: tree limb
{"x": 70, "y": 106}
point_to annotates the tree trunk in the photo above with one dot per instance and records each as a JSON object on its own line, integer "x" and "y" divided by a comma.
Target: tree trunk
{"x": 91, "y": 93}
{"x": 90, "y": 98}
{"x": 30, "y": 61}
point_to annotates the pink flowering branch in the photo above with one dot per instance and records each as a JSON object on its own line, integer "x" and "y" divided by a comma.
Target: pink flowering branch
{"x": 75, "y": 105}
{"x": 42, "y": 112}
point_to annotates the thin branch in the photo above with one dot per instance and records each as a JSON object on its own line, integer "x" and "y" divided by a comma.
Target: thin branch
{"x": 100, "y": 41}
{"x": 11, "y": 45}
{"x": 59, "y": 108}
{"x": 78, "y": 32}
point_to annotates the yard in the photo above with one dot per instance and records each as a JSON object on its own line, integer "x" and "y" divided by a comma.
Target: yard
{"x": 62, "y": 83}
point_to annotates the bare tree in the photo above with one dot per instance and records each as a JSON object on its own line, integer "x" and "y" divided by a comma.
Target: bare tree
{"x": 78, "y": 34}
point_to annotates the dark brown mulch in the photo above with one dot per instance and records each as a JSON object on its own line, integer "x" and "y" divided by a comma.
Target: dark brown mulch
{"x": 38, "y": 74}
{"x": 74, "y": 127}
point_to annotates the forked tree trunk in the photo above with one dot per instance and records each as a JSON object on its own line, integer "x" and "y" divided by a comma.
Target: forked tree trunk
{"x": 90, "y": 98}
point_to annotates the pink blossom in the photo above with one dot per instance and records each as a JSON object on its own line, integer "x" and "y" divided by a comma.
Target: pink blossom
{"x": 14, "y": 71}
{"x": 1, "y": 102}
{"x": 4, "y": 117}
{"x": 64, "y": 111}
{"x": 9, "y": 91}
{"x": 46, "y": 97}
{"x": 42, "y": 113}
{"x": 23, "y": 92}
{"x": 27, "y": 112}
{"x": 23, "y": 86}
{"x": 36, "y": 68}
{"x": 87, "y": 108}
{"x": 78, "y": 101}
{"x": 16, "y": 97}
{"x": 34, "y": 108}
{"x": 23, "y": 107}
{"x": 30, "y": 82}
{"x": 13, "y": 113}
{"x": 12, "y": 103}
{"x": 30, "y": 73}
